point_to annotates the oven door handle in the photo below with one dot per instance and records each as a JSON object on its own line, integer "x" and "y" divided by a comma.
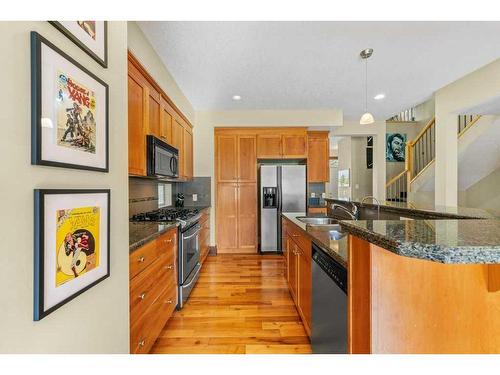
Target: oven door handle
{"x": 194, "y": 234}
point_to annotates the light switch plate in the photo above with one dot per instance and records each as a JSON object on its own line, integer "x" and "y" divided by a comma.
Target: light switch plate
{"x": 313, "y": 195}
{"x": 195, "y": 197}
{"x": 323, "y": 195}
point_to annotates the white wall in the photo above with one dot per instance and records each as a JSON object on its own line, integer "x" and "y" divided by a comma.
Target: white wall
{"x": 377, "y": 130}
{"x": 206, "y": 121}
{"x": 345, "y": 162}
{"x": 97, "y": 320}
{"x": 362, "y": 177}
{"x": 477, "y": 87}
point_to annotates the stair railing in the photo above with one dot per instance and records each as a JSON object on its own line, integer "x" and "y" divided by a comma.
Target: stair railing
{"x": 465, "y": 122}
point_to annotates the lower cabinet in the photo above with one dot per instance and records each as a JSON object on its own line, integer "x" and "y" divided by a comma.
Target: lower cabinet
{"x": 299, "y": 270}
{"x": 153, "y": 289}
{"x": 204, "y": 234}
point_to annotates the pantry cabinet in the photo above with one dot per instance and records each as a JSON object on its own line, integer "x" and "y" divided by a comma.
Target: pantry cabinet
{"x": 318, "y": 163}
{"x": 150, "y": 111}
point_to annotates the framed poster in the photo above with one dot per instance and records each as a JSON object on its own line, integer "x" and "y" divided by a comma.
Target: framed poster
{"x": 71, "y": 245}
{"x": 69, "y": 111}
{"x": 90, "y": 36}
{"x": 396, "y": 145}
{"x": 344, "y": 178}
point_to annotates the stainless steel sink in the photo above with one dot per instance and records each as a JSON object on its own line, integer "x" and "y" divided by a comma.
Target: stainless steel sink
{"x": 317, "y": 220}
{"x": 337, "y": 234}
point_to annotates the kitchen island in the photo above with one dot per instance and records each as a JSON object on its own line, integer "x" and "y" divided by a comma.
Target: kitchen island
{"x": 417, "y": 286}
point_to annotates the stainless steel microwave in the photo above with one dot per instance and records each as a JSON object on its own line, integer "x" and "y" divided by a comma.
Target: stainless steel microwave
{"x": 162, "y": 159}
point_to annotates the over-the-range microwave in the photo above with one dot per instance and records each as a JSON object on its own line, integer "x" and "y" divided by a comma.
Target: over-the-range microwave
{"x": 162, "y": 159}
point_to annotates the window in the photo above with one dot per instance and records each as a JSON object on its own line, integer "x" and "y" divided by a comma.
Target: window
{"x": 164, "y": 195}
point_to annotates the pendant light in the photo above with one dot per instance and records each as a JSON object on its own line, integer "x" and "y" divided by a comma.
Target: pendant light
{"x": 367, "y": 117}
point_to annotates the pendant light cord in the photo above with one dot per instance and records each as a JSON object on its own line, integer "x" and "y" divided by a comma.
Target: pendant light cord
{"x": 366, "y": 85}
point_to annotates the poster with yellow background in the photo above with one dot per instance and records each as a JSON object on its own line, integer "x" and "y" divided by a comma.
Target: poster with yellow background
{"x": 77, "y": 242}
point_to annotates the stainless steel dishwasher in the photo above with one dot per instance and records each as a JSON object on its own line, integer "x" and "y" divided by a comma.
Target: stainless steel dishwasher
{"x": 329, "y": 304}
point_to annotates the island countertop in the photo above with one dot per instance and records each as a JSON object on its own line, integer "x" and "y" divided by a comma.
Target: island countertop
{"x": 443, "y": 241}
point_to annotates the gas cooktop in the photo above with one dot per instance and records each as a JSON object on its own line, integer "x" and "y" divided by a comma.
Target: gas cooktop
{"x": 186, "y": 216}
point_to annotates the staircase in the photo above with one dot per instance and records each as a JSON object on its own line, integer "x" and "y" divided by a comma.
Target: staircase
{"x": 420, "y": 157}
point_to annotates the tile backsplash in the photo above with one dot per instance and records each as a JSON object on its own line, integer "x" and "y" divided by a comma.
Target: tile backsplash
{"x": 143, "y": 193}
{"x": 317, "y": 188}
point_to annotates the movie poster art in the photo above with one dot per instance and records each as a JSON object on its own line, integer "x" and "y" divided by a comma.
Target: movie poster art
{"x": 70, "y": 111}
{"x": 90, "y": 36}
{"x": 77, "y": 242}
{"x": 72, "y": 249}
{"x": 76, "y": 114}
{"x": 395, "y": 147}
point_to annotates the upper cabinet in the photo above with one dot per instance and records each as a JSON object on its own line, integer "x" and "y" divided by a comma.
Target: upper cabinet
{"x": 318, "y": 165}
{"x": 286, "y": 143}
{"x": 150, "y": 111}
{"x": 236, "y": 159}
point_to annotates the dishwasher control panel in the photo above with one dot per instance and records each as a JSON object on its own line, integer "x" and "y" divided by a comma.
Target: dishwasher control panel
{"x": 335, "y": 270}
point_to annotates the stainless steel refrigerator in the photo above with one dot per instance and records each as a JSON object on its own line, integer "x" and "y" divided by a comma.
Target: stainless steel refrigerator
{"x": 282, "y": 188}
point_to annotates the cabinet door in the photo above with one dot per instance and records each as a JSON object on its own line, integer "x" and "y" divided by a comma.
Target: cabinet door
{"x": 305, "y": 286}
{"x": 178, "y": 143}
{"x": 165, "y": 121}
{"x": 188, "y": 154}
{"x": 269, "y": 146}
{"x": 294, "y": 145}
{"x": 153, "y": 112}
{"x": 247, "y": 217}
{"x": 227, "y": 217}
{"x": 247, "y": 158}
{"x": 227, "y": 158}
{"x": 293, "y": 270}
{"x": 318, "y": 168}
{"x": 136, "y": 125}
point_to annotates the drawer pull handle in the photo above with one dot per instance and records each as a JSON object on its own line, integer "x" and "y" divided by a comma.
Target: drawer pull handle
{"x": 168, "y": 241}
{"x": 141, "y": 260}
{"x": 169, "y": 267}
{"x": 295, "y": 235}
{"x": 168, "y": 301}
{"x": 142, "y": 342}
{"x": 142, "y": 296}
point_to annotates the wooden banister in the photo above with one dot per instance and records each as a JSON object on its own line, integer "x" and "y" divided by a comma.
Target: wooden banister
{"x": 464, "y": 130}
{"x": 395, "y": 178}
{"x": 422, "y": 132}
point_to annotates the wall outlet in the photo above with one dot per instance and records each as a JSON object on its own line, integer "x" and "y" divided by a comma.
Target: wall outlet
{"x": 313, "y": 195}
{"x": 195, "y": 197}
{"x": 323, "y": 195}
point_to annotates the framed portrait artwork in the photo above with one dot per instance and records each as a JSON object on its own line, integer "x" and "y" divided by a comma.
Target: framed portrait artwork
{"x": 395, "y": 147}
{"x": 69, "y": 111}
{"x": 71, "y": 245}
{"x": 90, "y": 36}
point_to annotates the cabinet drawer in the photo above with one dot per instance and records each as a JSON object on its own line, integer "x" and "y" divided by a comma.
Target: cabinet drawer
{"x": 147, "y": 254}
{"x": 148, "y": 285}
{"x": 299, "y": 238}
{"x": 145, "y": 330}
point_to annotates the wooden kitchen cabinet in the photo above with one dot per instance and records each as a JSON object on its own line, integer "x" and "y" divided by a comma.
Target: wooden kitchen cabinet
{"x": 284, "y": 143}
{"x": 150, "y": 111}
{"x": 227, "y": 158}
{"x": 299, "y": 271}
{"x": 269, "y": 146}
{"x": 187, "y": 149}
{"x": 247, "y": 217}
{"x": 153, "y": 289}
{"x": 137, "y": 92}
{"x": 318, "y": 159}
{"x": 247, "y": 158}
{"x": 204, "y": 234}
{"x": 227, "y": 217}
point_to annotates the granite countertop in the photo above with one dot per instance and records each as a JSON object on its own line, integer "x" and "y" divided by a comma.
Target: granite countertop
{"x": 444, "y": 241}
{"x": 141, "y": 233}
{"x": 320, "y": 235}
{"x": 428, "y": 210}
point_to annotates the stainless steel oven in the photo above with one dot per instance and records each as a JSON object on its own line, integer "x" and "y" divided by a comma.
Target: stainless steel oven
{"x": 189, "y": 261}
{"x": 162, "y": 159}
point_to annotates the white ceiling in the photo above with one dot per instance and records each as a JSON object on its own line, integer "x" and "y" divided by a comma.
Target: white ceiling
{"x": 316, "y": 65}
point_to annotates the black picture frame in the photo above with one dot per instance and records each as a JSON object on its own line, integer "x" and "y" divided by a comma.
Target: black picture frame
{"x": 39, "y": 240}
{"x": 36, "y": 106}
{"x": 83, "y": 46}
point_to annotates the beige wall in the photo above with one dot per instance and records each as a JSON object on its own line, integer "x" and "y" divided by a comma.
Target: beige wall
{"x": 377, "y": 130}
{"x": 97, "y": 320}
{"x": 476, "y": 88}
{"x": 484, "y": 194}
{"x": 206, "y": 121}
{"x": 345, "y": 162}
{"x": 144, "y": 52}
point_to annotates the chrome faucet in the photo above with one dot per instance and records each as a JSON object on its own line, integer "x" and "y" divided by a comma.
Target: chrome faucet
{"x": 374, "y": 199}
{"x": 352, "y": 215}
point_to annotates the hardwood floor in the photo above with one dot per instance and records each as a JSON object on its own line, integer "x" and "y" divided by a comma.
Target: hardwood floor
{"x": 240, "y": 304}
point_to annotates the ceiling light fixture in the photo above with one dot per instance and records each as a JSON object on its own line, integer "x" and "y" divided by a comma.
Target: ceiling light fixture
{"x": 367, "y": 117}
{"x": 379, "y": 96}
{"x": 236, "y": 97}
